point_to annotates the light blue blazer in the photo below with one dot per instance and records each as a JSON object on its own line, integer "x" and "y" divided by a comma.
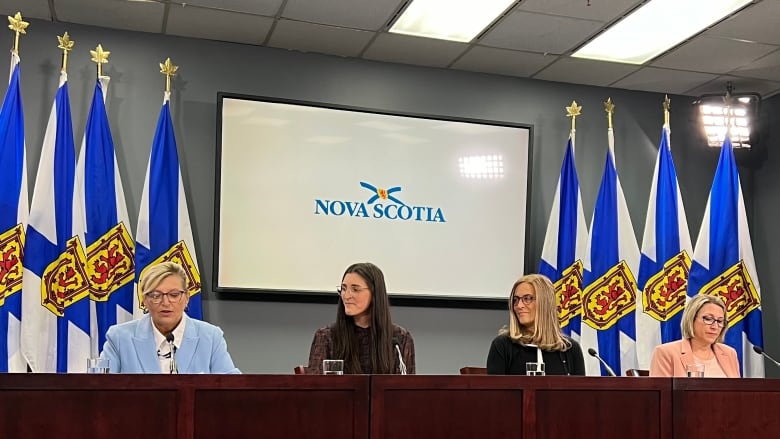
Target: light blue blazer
{"x": 130, "y": 348}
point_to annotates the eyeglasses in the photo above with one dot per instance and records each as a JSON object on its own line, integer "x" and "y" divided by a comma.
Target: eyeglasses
{"x": 527, "y": 299}
{"x": 709, "y": 321}
{"x": 156, "y": 297}
{"x": 354, "y": 289}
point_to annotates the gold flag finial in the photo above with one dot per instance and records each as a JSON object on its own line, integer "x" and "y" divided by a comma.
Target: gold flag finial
{"x": 609, "y": 107}
{"x": 66, "y": 45}
{"x": 573, "y": 111}
{"x": 168, "y": 69}
{"x": 100, "y": 57}
{"x": 19, "y": 26}
{"x": 667, "y": 106}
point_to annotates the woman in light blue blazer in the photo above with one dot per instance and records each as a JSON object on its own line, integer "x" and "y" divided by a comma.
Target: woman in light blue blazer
{"x": 166, "y": 340}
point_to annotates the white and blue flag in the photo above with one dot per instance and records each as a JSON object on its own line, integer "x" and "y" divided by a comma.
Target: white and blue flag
{"x": 611, "y": 259}
{"x": 665, "y": 262}
{"x": 109, "y": 246}
{"x": 13, "y": 221}
{"x": 723, "y": 264}
{"x": 56, "y": 326}
{"x": 564, "y": 245}
{"x": 164, "y": 231}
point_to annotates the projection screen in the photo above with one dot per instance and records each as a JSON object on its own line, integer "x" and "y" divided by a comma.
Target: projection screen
{"x": 304, "y": 190}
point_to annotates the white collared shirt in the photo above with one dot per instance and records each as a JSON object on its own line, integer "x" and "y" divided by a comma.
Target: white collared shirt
{"x": 164, "y": 348}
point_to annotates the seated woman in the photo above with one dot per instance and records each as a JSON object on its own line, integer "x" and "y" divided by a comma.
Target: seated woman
{"x": 704, "y": 325}
{"x": 363, "y": 335}
{"x": 145, "y": 345}
{"x": 534, "y": 335}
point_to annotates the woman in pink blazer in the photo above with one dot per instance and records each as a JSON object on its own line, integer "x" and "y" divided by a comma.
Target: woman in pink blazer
{"x": 704, "y": 325}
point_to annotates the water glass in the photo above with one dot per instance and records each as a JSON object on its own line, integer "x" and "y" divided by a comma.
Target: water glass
{"x": 694, "y": 370}
{"x": 534, "y": 369}
{"x": 333, "y": 367}
{"x": 97, "y": 365}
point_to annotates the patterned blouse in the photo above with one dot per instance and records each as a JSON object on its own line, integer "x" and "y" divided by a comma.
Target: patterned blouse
{"x": 322, "y": 349}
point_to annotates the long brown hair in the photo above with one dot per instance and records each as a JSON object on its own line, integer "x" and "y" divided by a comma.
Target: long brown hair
{"x": 345, "y": 341}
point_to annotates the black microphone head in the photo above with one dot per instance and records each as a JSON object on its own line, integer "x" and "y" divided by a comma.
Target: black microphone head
{"x": 169, "y": 337}
{"x": 758, "y": 350}
{"x": 591, "y": 352}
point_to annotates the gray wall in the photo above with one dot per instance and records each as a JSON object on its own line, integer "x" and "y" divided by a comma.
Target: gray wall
{"x": 272, "y": 337}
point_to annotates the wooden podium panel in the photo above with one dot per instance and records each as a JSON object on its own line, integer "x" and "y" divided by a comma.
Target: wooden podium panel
{"x": 519, "y": 407}
{"x": 183, "y": 406}
{"x": 727, "y": 408}
{"x": 284, "y": 406}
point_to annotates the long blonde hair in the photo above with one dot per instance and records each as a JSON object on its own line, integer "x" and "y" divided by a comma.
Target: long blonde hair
{"x": 547, "y": 331}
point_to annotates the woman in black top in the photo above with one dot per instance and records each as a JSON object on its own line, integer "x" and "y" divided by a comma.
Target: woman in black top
{"x": 534, "y": 333}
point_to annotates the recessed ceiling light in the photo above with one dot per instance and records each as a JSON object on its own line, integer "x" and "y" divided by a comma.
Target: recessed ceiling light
{"x": 453, "y": 20}
{"x": 656, "y": 27}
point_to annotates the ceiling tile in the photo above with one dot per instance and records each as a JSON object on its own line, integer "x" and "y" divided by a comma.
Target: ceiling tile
{"x": 663, "y": 80}
{"x": 585, "y": 71}
{"x": 539, "y": 33}
{"x": 767, "y": 67}
{"x": 358, "y": 14}
{"x": 714, "y": 55}
{"x": 502, "y": 61}
{"x": 257, "y": 7}
{"x": 28, "y": 8}
{"x": 413, "y": 50}
{"x": 191, "y": 21}
{"x": 756, "y": 23}
{"x": 594, "y": 10}
{"x": 741, "y": 85}
{"x": 307, "y": 37}
{"x": 139, "y": 16}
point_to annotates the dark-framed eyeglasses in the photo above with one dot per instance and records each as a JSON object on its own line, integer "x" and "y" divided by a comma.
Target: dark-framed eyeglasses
{"x": 354, "y": 289}
{"x": 527, "y": 299}
{"x": 709, "y": 321}
{"x": 156, "y": 297}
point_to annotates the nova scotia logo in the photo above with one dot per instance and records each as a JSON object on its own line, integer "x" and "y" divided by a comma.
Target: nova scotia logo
{"x": 382, "y": 204}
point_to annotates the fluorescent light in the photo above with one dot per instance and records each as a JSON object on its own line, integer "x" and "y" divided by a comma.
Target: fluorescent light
{"x": 454, "y": 20}
{"x": 656, "y": 27}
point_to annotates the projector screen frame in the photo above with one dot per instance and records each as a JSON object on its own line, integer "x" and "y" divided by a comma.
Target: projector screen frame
{"x": 288, "y": 295}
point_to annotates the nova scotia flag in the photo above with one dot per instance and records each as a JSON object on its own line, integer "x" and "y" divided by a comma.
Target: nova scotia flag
{"x": 665, "y": 263}
{"x": 723, "y": 264}
{"x": 611, "y": 259}
{"x": 57, "y": 325}
{"x": 565, "y": 244}
{"x": 13, "y": 221}
{"x": 164, "y": 231}
{"x": 109, "y": 247}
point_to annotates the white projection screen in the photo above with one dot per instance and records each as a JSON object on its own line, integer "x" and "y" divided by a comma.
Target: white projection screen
{"x": 304, "y": 190}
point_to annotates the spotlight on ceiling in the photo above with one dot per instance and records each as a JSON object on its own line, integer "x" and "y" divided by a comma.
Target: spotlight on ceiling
{"x": 732, "y": 114}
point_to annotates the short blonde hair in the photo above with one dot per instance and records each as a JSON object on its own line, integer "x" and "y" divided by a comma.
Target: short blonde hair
{"x": 152, "y": 277}
{"x": 547, "y": 330}
{"x": 692, "y": 309}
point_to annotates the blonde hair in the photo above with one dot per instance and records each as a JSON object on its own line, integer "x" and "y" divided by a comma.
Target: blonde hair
{"x": 693, "y": 307}
{"x": 547, "y": 331}
{"x": 152, "y": 277}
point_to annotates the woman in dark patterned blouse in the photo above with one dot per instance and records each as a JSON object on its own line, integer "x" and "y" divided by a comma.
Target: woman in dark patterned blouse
{"x": 363, "y": 335}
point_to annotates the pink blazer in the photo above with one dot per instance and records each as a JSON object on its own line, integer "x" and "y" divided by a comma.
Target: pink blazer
{"x": 670, "y": 359}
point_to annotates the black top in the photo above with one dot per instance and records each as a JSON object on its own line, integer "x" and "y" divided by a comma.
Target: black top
{"x": 509, "y": 358}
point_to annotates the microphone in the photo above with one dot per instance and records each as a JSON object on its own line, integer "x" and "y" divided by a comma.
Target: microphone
{"x": 401, "y": 364}
{"x": 761, "y": 352}
{"x": 174, "y": 367}
{"x": 592, "y": 353}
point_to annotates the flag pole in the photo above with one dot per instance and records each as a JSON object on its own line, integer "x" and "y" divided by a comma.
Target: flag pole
{"x": 17, "y": 25}
{"x": 168, "y": 69}
{"x": 573, "y": 111}
{"x": 66, "y": 44}
{"x": 100, "y": 57}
